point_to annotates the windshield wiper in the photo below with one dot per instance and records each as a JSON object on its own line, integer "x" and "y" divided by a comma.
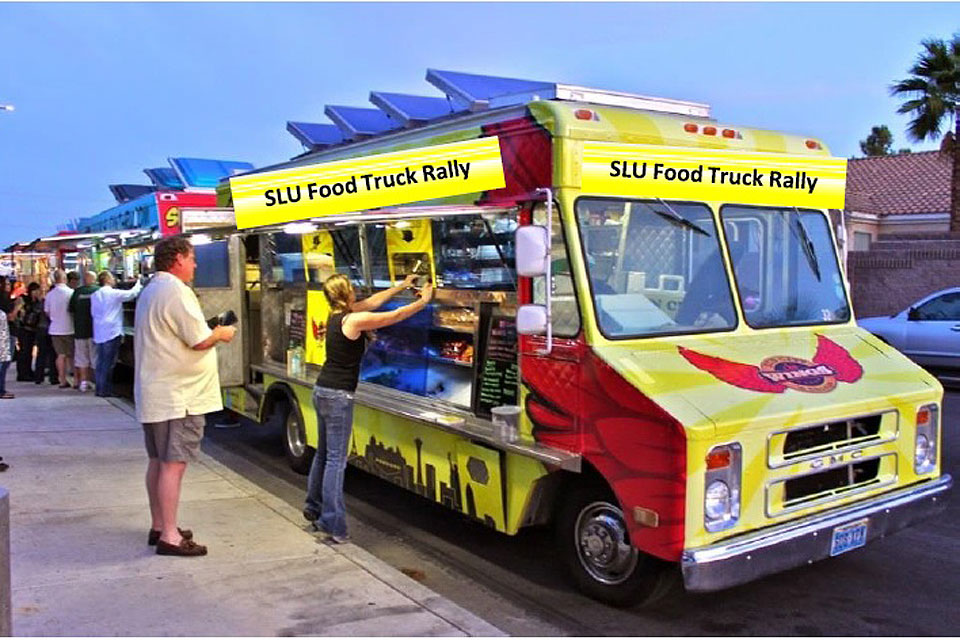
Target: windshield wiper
{"x": 807, "y": 245}
{"x": 672, "y": 215}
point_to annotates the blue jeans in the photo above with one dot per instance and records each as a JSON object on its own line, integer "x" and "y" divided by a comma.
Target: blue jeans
{"x": 325, "y": 482}
{"x": 3, "y": 375}
{"x": 3, "y": 368}
{"x": 107, "y": 353}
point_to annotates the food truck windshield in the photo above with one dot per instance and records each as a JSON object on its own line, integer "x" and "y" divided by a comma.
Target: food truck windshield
{"x": 655, "y": 267}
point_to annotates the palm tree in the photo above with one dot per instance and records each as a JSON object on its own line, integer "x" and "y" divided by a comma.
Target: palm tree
{"x": 933, "y": 92}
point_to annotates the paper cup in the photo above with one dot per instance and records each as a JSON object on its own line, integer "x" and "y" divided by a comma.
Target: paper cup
{"x": 506, "y": 419}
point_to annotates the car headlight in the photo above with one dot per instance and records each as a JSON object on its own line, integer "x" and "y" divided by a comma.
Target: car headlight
{"x": 721, "y": 498}
{"x": 925, "y": 447}
{"x": 922, "y": 452}
{"x": 717, "y": 501}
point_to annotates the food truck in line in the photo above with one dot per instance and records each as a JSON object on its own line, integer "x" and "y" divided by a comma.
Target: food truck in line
{"x": 671, "y": 380}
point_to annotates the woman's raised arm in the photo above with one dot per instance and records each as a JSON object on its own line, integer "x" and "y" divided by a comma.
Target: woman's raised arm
{"x": 375, "y": 301}
{"x": 358, "y": 322}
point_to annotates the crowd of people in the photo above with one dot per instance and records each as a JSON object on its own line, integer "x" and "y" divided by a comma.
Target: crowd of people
{"x": 65, "y": 332}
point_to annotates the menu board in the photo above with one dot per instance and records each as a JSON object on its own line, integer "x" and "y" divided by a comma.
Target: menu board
{"x": 297, "y": 331}
{"x": 497, "y": 371}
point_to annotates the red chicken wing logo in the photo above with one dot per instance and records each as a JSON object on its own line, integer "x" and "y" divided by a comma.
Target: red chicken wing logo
{"x": 831, "y": 364}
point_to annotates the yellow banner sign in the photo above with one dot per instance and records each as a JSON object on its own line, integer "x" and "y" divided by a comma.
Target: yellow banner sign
{"x": 369, "y": 182}
{"x": 710, "y": 174}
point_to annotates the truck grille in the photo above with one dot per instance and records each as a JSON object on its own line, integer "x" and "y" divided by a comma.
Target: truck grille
{"x": 830, "y": 482}
{"x": 827, "y": 437}
{"x": 807, "y": 442}
{"x": 835, "y": 476}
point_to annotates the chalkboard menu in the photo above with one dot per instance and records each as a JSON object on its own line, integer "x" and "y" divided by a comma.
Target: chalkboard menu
{"x": 497, "y": 371}
{"x": 297, "y": 331}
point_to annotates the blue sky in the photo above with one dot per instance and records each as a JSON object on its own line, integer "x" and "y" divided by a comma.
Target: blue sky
{"x": 103, "y": 91}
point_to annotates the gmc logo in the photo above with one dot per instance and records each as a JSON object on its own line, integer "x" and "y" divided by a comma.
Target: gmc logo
{"x": 834, "y": 460}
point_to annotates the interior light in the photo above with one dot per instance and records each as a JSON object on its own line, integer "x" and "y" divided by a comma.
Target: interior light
{"x": 200, "y": 239}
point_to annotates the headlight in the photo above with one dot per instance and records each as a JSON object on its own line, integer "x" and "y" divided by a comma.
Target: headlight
{"x": 717, "y": 502}
{"x": 721, "y": 498}
{"x": 925, "y": 447}
{"x": 922, "y": 452}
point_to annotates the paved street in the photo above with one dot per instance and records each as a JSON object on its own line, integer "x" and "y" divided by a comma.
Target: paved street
{"x": 904, "y": 585}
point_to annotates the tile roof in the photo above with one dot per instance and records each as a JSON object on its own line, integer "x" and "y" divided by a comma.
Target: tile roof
{"x": 902, "y": 183}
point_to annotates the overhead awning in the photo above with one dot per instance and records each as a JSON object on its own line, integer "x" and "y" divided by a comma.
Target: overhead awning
{"x": 75, "y": 239}
{"x": 386, "y": 214}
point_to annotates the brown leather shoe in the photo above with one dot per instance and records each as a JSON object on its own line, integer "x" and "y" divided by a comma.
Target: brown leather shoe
{"x": 154, "y": 535}
{"x": 185, "y": 548}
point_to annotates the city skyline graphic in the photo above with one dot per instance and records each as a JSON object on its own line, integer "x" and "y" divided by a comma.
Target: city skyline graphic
{"x": 390, "y": 464}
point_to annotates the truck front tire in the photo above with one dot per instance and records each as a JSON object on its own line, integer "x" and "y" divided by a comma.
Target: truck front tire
{"x": 595, "y": 546}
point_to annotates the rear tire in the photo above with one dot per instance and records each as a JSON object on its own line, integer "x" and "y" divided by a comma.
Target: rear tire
{"x": 595, "y": 547}
{"x": 299, "y": 455}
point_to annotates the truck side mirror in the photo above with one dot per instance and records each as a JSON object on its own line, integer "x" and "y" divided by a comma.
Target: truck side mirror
{"x": 531, "y": 320}
{"x": 532, "y": 250}
{"x": 913, "y": 314}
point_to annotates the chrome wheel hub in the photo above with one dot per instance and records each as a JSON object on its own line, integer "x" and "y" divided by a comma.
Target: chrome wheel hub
{"x": 296, "y": 438}
{"x": 603, "y": 545}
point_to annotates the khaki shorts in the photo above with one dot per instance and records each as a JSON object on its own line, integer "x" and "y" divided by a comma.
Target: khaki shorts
{"x": 63, "y": 345}
{"x": 85, "y": 353}
{"x": 174, "y": 440}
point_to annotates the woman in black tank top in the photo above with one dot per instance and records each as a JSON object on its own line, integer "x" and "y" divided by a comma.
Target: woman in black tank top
{"x": 346, "y": 339}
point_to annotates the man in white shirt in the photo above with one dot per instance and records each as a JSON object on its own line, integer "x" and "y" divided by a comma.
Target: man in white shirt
{"x": 176, "y": 381}
{"x": 106, "y": 307}
{"x": 56, "y": 305}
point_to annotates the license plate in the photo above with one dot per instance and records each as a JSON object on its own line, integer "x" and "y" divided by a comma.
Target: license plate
{"x": 848, "y": 537}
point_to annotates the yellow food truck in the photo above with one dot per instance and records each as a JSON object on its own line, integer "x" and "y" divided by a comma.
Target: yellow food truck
{"x": 672, "y": 379}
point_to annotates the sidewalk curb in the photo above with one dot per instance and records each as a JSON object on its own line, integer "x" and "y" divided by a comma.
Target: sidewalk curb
{"x": 406, "y": 586}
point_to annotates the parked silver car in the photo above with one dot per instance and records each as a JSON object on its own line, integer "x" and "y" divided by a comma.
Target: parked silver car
{"x": 928, "y": 331}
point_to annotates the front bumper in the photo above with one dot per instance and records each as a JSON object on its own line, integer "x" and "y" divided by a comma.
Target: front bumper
{"x": 803, "y": 541}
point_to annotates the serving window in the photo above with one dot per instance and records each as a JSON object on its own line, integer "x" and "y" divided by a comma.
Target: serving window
{"x": 434, "y": 353}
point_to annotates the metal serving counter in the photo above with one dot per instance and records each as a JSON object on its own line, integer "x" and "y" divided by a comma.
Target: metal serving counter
{"x": 441, "y": 416}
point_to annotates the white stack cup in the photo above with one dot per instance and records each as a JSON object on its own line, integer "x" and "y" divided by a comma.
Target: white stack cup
{"x": 506, "y": 420}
